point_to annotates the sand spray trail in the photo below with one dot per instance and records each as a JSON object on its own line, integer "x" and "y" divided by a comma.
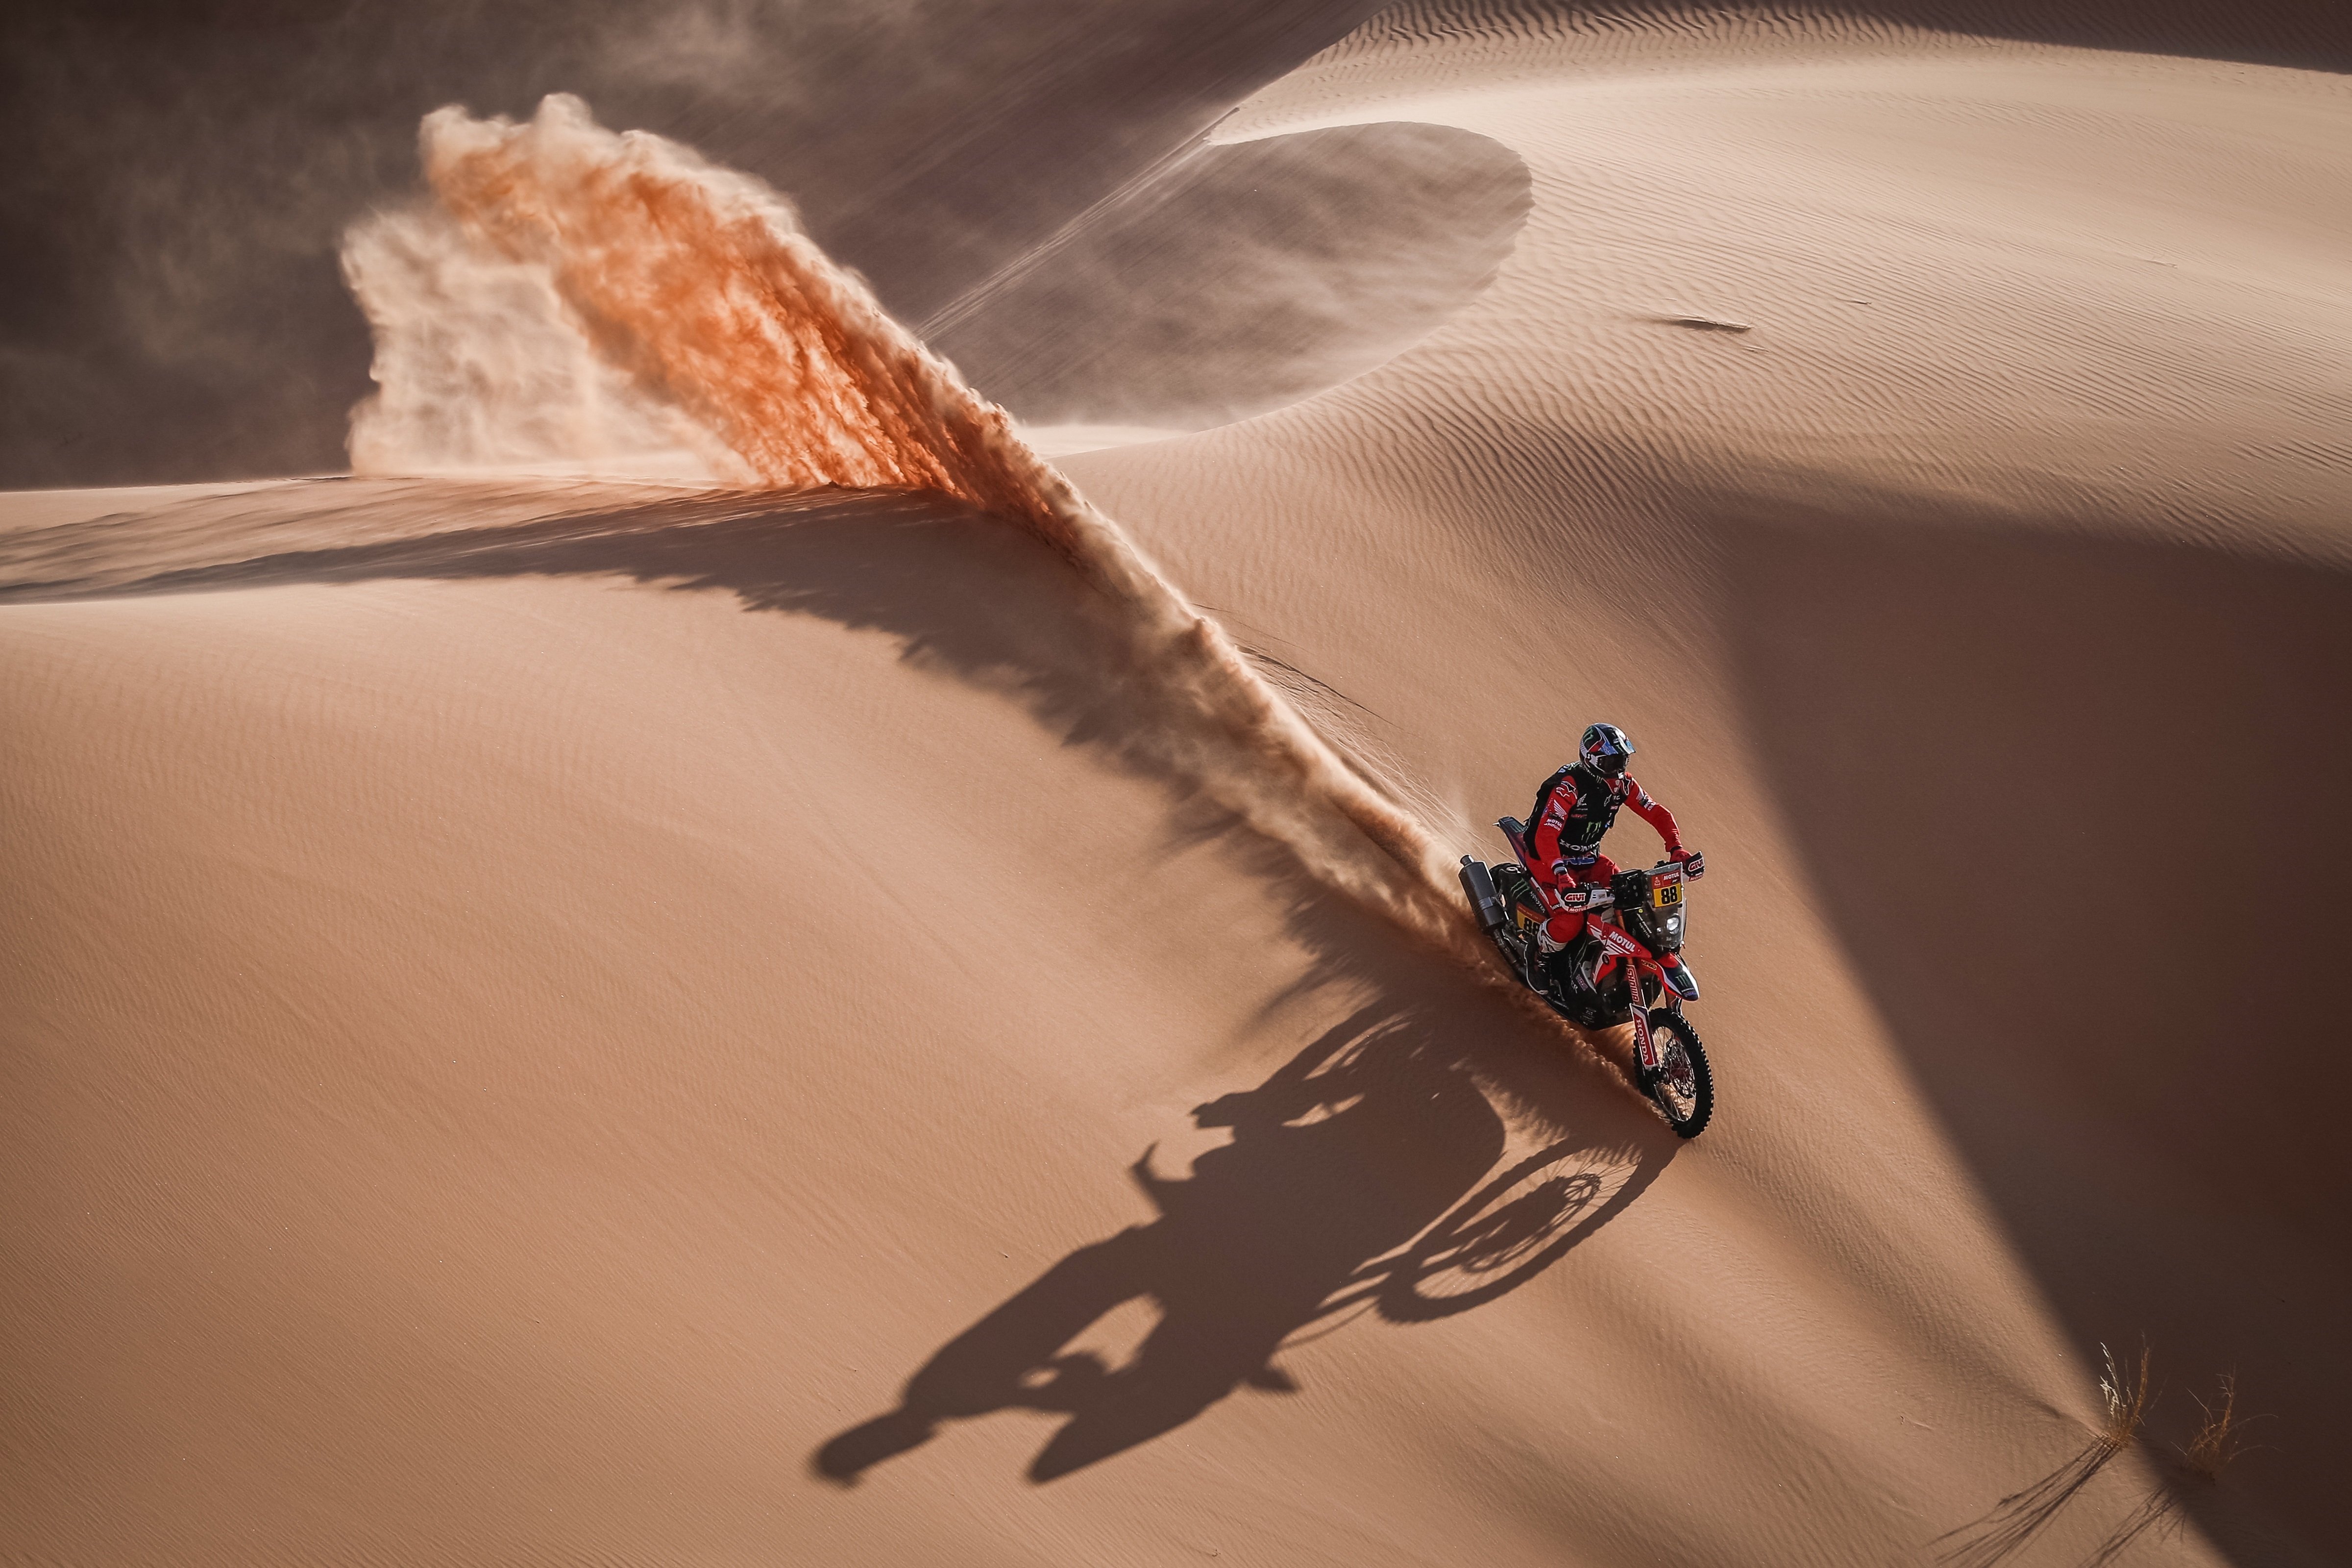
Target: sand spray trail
{"x": 477, "y": 368}
{"x": 698, "y": 286}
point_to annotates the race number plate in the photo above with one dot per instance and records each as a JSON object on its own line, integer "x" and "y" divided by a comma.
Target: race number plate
{"x": 1666, "y": 896}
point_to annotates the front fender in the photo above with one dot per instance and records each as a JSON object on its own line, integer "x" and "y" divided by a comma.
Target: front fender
{"x": 1678, "y": 975}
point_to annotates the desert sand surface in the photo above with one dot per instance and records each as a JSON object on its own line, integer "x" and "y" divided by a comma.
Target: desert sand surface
{"x": 745, "y": 1018}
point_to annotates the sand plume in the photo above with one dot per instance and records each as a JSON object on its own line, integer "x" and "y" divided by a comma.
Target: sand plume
{"x": 477, "y": 367}
{"x": 700, "y": 285}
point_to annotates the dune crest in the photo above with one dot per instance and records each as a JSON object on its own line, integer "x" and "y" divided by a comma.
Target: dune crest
{"x": 699, "y": 284}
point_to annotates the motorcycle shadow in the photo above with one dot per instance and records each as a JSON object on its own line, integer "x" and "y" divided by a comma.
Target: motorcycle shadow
{"x": 1372, "y": 1176}
{"x": 1422, "y": 1158}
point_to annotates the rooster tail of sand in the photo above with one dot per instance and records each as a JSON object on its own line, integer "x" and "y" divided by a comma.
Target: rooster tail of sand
{"x": 656, "y": 298}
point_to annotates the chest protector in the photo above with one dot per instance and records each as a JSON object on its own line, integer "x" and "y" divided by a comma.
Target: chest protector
{"x": 1589, "y": 820}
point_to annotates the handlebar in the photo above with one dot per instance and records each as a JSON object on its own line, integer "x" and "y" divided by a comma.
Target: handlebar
{"x": 1591, "y": 898}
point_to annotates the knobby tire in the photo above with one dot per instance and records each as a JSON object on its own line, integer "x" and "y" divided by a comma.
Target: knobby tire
{"x": 1664, "y": 1020}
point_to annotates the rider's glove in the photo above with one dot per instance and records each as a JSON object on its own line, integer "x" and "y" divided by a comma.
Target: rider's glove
{"x": 1693, "y": 863}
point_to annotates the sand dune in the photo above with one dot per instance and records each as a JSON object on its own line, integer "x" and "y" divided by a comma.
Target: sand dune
{"x": 578, "y": 1018}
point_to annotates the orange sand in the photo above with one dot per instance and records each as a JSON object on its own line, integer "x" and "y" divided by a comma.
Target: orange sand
{"x": 570, "y": 1020}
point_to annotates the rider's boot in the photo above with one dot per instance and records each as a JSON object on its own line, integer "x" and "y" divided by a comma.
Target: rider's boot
{"x": 1540, "y": 958}
{"x": 1584, "y": 965}
{"x": 1569, "y": 965}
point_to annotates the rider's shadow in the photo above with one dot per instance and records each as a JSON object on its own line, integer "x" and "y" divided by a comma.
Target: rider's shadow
{"x": 1366, "y": 1174}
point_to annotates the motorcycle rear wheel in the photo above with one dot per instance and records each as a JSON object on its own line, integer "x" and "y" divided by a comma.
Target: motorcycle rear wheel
{"x": 1682, "y": 1086}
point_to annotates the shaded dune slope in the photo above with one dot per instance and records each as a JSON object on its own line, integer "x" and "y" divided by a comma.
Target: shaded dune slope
{"x": 928, "y": 145}
{"x": 2018, "y": 570}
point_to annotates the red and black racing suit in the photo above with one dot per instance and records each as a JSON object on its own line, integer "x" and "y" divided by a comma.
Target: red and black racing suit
{"x": 1573, "y": 810}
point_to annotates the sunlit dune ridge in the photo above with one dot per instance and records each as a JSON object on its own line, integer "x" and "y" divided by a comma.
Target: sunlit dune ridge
{"x": 699, "y": 284}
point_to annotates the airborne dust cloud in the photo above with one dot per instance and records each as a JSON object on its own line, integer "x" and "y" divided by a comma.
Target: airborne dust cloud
{"x": 727, "y": 325}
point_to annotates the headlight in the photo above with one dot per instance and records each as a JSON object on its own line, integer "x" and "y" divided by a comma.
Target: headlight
{"x": 1674, "y": 923}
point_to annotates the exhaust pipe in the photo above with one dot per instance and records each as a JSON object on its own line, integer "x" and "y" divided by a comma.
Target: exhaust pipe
{"x": 1484, "y": 903}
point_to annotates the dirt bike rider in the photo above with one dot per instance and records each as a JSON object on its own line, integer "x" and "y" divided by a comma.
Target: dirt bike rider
{"x": 1573, "y": 810}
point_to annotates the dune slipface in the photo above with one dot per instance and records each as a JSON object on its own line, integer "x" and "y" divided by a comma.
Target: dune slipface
{"x": 849, "y": 1020}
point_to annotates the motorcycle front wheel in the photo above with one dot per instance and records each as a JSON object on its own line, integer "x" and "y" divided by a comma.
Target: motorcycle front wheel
{"x": 1681, "y": 1084}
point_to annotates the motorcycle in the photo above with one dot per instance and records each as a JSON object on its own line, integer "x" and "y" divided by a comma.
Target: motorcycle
{"x": 1638, "y": 923}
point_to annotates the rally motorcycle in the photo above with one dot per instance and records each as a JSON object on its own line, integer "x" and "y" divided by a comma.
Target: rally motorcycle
{"x": 1640, "y": 979}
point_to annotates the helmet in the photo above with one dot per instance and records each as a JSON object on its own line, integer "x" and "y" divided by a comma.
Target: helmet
{"x": 1603, "y": 750}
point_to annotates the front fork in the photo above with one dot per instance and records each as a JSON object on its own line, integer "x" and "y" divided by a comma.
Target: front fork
{"x": 1645, "y": 1052}
{"x": 1636, "y": 965}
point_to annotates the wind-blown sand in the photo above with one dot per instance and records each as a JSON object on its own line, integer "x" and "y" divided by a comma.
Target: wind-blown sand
{"x": 592, "y": 1020}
